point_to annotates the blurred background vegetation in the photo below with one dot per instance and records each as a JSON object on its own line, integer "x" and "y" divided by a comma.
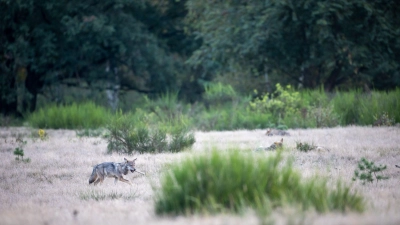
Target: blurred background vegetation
{"x": 216, "y": 65}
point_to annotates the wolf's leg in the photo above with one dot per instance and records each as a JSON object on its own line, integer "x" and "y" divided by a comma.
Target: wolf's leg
{"x": 100, "y": 179}
{"x": 116, "y": 180}
{"x": 125, "y": 180}
{"x": 97, "y": 181}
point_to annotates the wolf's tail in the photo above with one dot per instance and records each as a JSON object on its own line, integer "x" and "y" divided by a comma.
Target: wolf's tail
{"x": 93, "y": 177}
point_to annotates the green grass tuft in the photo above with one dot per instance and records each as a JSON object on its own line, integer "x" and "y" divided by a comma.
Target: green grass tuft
{"x": 232, "y": 181}
{"x": 74, "y": 116}
{"x": 99, "y": 195}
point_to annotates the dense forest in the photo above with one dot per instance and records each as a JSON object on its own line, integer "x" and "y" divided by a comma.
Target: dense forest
{"x": 156, "y": 46}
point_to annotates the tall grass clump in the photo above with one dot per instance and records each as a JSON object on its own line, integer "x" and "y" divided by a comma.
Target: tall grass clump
{"x": 165, "y": 106}
{"x": 75, "y": 116}
{"x": 232, "y": 181}
{"x": 219, "y": 93}
{"x": 231, "y": 118}
{"x": 355, "y": 107}
{"x": 144, "y": 133}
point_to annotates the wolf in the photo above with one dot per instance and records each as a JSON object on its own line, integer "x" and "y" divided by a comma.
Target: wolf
{"x": 274, "y": 146}
{"x": 112, "y": 169}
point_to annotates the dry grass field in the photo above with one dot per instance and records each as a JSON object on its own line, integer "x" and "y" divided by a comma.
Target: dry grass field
{"x": 53, "y": 187}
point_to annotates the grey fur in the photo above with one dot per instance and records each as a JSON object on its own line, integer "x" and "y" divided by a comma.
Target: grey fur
{"x": 112, "y": 169}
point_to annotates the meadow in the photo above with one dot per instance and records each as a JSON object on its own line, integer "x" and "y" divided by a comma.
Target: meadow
{"x": 53, "y": 187}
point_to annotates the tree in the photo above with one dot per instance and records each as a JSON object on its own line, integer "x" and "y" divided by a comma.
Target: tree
{"x": 104, "y": 43}
{"x": 344, "y": 43}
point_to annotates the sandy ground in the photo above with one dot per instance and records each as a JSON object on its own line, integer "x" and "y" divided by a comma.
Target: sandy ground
{"x": 51, "y": 189}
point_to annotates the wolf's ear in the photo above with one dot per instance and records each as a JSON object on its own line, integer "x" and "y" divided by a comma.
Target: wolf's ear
{"x": 134, "y": 159}
{"x": 125, "y": 160}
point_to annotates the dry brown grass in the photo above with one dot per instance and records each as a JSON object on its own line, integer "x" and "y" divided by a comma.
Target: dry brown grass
{"x": 48, "y": 189}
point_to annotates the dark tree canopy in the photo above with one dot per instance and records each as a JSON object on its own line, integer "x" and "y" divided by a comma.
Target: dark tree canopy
{"x": 344, "y": 43}
{"x": 45, "y": 42}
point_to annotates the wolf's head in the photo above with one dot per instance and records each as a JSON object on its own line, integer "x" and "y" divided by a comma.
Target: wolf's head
{"x": 130, "y": 164}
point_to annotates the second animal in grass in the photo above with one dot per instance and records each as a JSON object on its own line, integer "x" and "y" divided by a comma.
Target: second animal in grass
{"x": 274, "y": 146}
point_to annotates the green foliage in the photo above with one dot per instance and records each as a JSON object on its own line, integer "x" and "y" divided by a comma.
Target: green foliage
{"x": 218, "y": 93}
{"x": 180, "y": 138}
{"x": 231, "y": 117}
{"x": 144, "y": 133}
{"x": 383, "y": 120}
{"x": 19, "y": 151}
{"x": 233, "y": 180}
{"x": 355, "y": 107}
{"x": 284, "y": 101}
{"x": 166, "y": 106}
{"x": 75, "y": 116}
{"x": 300, "y": 41}
{"x": 324, "y": 116}
{"x": 305, "y": 146}
{"x": 284, "y": 106}
{"x": 366, "y": 171}
{"x": 109, "y": 44}
{"x": 283, "y": 109}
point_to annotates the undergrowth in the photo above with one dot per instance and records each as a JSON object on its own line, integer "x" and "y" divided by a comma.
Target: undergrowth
{"x": 75, "y": 116}
{"x": 222, "y": 108}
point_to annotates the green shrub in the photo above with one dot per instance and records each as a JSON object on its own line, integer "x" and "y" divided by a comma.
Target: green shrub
{"x": 165, "y": 106}
{"x": 144, "y": 133}
{"x": 74, "y": 116}
{"x": 365, "y": 170}
{"x": 283, "y": 101}
{"x": 219, "y": 93}
{"x": 383, "y": 120}
{"x": 315, "y": 98}
{"x": 304, "y": 146}
{"x": 232, "y": 181}
{"x": 180, "y": 139}
{"x": 19, "y": 151}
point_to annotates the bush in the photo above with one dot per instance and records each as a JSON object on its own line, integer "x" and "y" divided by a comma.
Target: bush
{"x": 218, "y": 93}
{"x": 74, "y": 116}
{"x": 365, "y": 170}
{"x": 231, "y": 181}
{"x": 180, "y": 139}
{"x": 283, "y": 101}
{"x": 304, "y": 146}
{"x": 383, "y": 120}
{"x": 143, "y": 133}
